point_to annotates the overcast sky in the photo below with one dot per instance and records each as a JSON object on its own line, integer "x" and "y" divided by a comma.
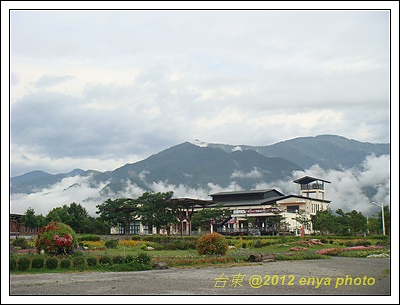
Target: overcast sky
{"x": 98, "y": 89}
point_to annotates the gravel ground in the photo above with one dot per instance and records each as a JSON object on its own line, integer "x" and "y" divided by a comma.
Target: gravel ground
{"x": 336, "y": 276}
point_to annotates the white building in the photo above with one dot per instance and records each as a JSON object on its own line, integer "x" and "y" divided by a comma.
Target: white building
{"x": 256, "y": 208}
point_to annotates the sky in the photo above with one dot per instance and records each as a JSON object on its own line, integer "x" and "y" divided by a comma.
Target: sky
{"x": 97, "y": 89}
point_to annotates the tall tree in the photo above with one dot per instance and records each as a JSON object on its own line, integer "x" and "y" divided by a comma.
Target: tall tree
{"x": 29, "y": 219}
{"x": 78, "y": 217}
{"x": 357, "y": 223}
{"x": 323, "y": 221}
{"x": 121, "y": 211}
{"x": 155, "y": 211}
{"x": 59, "y": 214}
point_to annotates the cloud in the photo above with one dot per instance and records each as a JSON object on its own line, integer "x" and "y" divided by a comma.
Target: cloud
{"x": 254, "y": 173}
{"x": 51, "y": 80}
{"x": 351, "y": 189}
{"x": 73, "y": 189}
{"x": 123, "y": 85}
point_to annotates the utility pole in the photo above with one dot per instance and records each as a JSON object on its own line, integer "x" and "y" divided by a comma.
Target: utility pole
{"x": 383, "y": 217}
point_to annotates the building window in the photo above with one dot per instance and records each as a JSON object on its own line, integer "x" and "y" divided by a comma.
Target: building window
{"x": 146, "y": 229}
{"x": 134, "y": 227}
{"x": 292, "y": 208}
{"x": 122, "y": 230}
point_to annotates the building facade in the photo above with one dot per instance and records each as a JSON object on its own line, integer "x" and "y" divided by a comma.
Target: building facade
{"x": 257, "y": 210}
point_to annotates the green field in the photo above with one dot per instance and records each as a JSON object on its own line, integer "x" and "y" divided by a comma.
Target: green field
{"x": 180, "y": 252}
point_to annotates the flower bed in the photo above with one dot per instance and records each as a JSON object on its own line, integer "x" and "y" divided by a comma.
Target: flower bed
{"x": 336, "y": 251}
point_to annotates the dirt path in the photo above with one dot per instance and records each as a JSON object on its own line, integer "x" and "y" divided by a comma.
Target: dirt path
{"x": 336, "y": 276}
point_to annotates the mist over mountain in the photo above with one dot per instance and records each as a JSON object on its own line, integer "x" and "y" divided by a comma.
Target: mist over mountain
{"x": 198, "y": 169}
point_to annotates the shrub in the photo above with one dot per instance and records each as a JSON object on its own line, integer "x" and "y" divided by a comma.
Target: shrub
{"x": 258, "y": 243}
{"x": 20, "y": 242}
{"x": 90, "y": 237}
{"x": 56, "y": 238}
{"x": 91, "y": 261}
{"x": 13, "y": 264}
{"x": 79, "y": 261}
{"x": 93, "y": 244}
{"x": 130, "y": 258}
{"x": 212, "y": 244}
{"x": 105, "y": 260}
{"x": 111, "y": 243}
{"x": 37, "y": 262}
{"x": 143, "y": 259}
{"x": 24, "y": 263}
{"x": 65, "y": 263}
{"x": 129, "y": 243}
{"x": 52, "y": 263}
{"x": 118, "y": 259}
{"x": 358, "y": 242}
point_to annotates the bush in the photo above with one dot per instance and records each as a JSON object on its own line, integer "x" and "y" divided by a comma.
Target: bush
{"x": 105, "y": 260}
{"x": 56, "y": 238}
{"x": 90, "y": 237}
{"x": 13, "y": 263}
{"x": 91, "y": 261}
{"x": 111, "y": 243}
{"x": 65, "y": 263}
{"x": 24, "y": 263}
{"x": 130, "y": 258}
{"x": 143, "y": 259}
{"x": 359, "y": 242}
{"x": 212, "y": 244}
{"x": 37, "y": 262}
{"x": 118, "y": 259}
{"x": 52, "y": 263}
{"x": 20, "y": 242}
{"x": 79, "y": 261}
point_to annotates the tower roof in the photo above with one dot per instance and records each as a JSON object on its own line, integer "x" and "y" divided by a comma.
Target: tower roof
{"x": 308, "y": 179}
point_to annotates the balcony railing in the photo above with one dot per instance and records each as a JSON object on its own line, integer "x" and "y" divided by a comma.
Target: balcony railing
{"x": 314, "y": 186}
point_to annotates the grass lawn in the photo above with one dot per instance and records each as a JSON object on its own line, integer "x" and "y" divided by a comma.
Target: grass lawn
{"x": 238, "y": 254}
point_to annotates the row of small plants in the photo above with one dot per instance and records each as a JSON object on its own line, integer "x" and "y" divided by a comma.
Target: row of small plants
{"x": 129, "y": 262}
{"x": 61, "y": 248}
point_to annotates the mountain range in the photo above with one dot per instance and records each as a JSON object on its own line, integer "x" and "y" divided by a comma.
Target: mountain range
{"x": 197, "y": 164}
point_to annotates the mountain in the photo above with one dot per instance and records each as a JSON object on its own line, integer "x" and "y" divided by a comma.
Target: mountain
{"x": 328, "y": 151}
{"x": 38, "y": 180}
{"x": 196, "y": 165}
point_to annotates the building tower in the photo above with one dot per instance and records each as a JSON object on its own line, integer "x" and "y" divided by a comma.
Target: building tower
{"x": 310, "y": 185}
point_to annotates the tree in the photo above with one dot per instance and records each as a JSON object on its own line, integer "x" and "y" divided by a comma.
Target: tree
{"x": 303, "y": 219}
{"x": 203, "y": 218}
{"x": 59, "y": 214}
{"x": 375, "y": 222}
{"x": 155, "y": 211}
{"x": 29, "y": 219}
{"x": 277, "y": 221}
{"x": 323, "y": 221}
{"x": 118, "y": 212}
{"x": 341, "y": 223}
{"x": 96, "y": 226}
{"x": 357, "y": 223}
{"x": 78, "y": 217}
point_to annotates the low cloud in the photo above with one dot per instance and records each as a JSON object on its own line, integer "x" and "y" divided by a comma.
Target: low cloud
{"x": 254, "y": 173}
{"x": 351, "y": 189}
{"x": 72, "y": 189}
